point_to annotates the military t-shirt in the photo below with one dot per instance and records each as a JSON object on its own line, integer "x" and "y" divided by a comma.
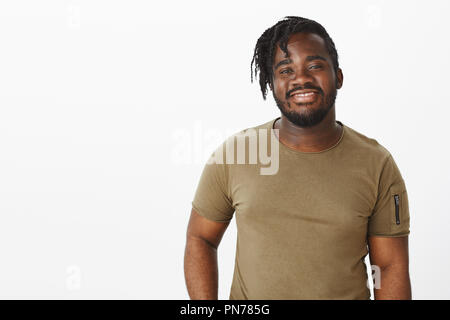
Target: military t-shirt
{"x": 302, "y": 218}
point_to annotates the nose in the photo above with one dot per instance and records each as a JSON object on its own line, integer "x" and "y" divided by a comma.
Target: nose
{"x": 300, "y": 77}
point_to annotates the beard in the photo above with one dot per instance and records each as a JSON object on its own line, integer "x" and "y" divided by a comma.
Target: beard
{"x": 311, "y": 116}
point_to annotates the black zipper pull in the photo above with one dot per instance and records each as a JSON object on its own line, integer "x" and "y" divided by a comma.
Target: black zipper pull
{"x": 397, "y": 209}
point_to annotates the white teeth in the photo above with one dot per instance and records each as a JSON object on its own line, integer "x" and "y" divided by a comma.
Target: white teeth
{"x": 304, "y": 94}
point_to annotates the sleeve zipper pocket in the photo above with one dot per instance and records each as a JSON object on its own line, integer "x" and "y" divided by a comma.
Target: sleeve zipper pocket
{"x": 397, "y": 209}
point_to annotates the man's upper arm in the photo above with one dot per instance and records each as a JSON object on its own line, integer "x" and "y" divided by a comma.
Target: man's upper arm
{"x": 390, "y": 216}
{"x": 213, "y": 199}
{"x": 207, "y": 230}
{"x": 388, "y": 251}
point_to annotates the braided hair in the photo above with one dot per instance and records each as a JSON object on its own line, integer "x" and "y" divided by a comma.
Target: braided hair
{"x": 263, "y": 56}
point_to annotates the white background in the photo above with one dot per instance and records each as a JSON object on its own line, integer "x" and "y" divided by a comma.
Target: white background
{"x": 108, "y": 108}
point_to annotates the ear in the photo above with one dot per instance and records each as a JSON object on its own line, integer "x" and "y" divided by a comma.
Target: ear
{"x": 339, "y": 78}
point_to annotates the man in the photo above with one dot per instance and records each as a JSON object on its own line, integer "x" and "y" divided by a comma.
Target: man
{"x": 302, "y": 232}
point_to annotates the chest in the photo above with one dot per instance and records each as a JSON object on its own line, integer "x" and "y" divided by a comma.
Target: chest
{"x": 307, "y": 194}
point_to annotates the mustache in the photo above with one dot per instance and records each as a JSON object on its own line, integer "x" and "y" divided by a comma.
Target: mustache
{"x": 306, "y": 86}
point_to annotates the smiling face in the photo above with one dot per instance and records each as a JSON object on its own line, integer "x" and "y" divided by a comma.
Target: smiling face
{"x": 305, "y": 83}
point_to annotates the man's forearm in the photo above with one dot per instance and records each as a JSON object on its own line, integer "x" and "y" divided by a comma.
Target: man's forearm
{"x": 200, "y": 269}
{"x": 395, "y": 284}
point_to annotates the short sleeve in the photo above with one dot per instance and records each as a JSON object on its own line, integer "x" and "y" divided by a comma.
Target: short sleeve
{"x": 212, "y": 199}
{"x": 390, "y": 215}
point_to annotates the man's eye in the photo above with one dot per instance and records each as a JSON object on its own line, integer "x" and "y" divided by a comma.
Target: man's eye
{"x": 316, "y": 66}
{"x": 285, "y": 71}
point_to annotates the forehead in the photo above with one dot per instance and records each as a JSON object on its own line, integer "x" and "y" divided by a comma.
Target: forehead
{"x": 303, "y": 43}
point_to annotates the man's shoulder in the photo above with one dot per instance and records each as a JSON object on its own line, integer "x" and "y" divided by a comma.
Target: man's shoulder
{"x": 264, "y": 126}
{"x": 231, "y": 142}
{"x": 355, "y": 139}
{"x": 360, "y": 142}
{"x": 250, "y": 131}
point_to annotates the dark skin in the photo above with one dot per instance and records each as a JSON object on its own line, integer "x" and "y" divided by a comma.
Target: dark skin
{"x": 203, "y": 236}
{"x": 391, "y": 255}
{"x": 200, "y": 259}
{"x": 300, "y": 72}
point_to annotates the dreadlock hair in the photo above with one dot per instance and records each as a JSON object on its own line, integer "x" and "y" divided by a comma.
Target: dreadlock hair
{"x": 265, "y": 49}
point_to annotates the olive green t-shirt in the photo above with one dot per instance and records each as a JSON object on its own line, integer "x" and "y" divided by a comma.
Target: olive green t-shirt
{"x": 302, "y": 226}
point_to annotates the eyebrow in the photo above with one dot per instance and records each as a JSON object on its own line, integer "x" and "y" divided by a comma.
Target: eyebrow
{"x": 308, "y": 58}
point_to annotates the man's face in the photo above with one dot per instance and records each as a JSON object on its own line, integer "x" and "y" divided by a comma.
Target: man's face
{"x": 309, "y": 72}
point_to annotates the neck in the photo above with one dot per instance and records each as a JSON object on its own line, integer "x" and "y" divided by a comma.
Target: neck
{"x": 310, "y": 139}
